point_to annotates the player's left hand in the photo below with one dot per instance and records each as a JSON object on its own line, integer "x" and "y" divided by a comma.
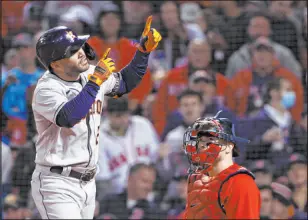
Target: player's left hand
{"x": 150, "y": 38}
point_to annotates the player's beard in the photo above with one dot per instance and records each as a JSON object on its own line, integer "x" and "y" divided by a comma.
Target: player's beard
{"x": 76, "y": 70}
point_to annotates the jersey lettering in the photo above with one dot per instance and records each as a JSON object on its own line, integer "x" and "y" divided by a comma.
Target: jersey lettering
{"x": 96, "y": 107}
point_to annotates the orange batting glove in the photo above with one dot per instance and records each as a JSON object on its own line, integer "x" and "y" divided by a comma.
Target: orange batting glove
{"x": 150, "y": 38}
{"x": 103, "y": 69}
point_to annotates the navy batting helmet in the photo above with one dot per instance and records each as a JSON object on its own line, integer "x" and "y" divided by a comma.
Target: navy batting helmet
{"x": 59, "y": 43}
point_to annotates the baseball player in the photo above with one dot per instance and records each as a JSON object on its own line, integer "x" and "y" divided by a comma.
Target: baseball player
{"x": 218, "y": 188}
{"x": 122, "y": 145}
{"x": 67, "y": 106}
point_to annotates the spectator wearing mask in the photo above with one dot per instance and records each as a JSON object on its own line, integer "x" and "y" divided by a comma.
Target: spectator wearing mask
{"x": 199, "y": 58}
{"x": 284, "y": 31}
{"x": 282, "y": 207}
{"x": 297, "y": 174}
{"x": 260, "y": 26}
{"x": 298, "y": 134}
{"x": 122, "y": 145}
{"x": 109, "y": 35}
{"x": 11, "y": 60}
{"x": 205, "y": 83}
{"x": 137, "y": 201}
{"x": 79, "y": 18}
{"x": 246, "y": 87}
{"x": 269, "y": 129}
{"x": 15, "y": 106}
{"x": 266, "y": 194}
{"x": 263, "y": 171}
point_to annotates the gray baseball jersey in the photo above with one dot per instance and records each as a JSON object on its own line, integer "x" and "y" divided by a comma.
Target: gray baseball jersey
{"x": 59, "y": 146}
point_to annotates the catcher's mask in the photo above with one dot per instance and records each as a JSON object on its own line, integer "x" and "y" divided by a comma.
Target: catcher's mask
{"x": 203, "y": 154}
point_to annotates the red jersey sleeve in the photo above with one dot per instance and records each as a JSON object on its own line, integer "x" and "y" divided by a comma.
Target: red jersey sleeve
{"x": 242, "y": 198}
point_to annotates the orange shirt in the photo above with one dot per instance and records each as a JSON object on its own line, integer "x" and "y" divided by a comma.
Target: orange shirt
{"x": 122, "y": 52}
{"x": 12, "y": 14}
{"x": 174, "y": 83}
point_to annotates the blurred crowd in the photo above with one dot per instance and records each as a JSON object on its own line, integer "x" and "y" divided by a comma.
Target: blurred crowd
{"x": 247, "y": 58}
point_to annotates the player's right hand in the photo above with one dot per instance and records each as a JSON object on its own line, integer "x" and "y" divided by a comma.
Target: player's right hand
{"x": 103, "y": 69}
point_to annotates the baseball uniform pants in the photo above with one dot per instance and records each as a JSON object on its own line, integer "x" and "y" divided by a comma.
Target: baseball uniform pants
{"x": 61, "y": 197}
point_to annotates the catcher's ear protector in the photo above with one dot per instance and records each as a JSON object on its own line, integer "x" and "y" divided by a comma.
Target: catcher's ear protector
{"x": 221, "y": 128}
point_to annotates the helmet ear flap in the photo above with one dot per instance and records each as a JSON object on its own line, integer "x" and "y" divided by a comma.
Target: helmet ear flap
{"x": 90, "y": 53}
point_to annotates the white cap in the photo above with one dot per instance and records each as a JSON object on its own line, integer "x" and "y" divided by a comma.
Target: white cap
{"x": 78, "y": 12}
{"x": 190, "y": 12}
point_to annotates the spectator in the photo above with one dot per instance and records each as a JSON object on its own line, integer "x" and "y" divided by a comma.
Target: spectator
{"x": 263, "y": 171}
{"x": 137, "y": 201}
{"x": 266, "y": 194}
{"x": 175, "y": 37}
{"x": 269, "y": 129}
{"x": 175, "y": 200}
{"x": 147, "y": 106}
{"x": 14, "y": 101}
{"x": 79, "y": 18}
{"x": 199, "y": 58}
{"x": 125, "y": 140}
{"x": 22, "y": 172}
{"x": 298, "y": 135}
{"x": 32, "y": 18}
{"x": 205, "y": 83}
{"x": 54, "y": 9}
{"x": 109, "y": 35}
{"x": 259, "y": 25}
{"x": 11, "y": 60}
{"x": 245, "y": 94}
{"x": 282, "y": 204}
{"x": 236, "y": 22}
{"x": 284, "y": 31}
{"x": 135, "y": 14}
{"x": 6, "y": 159}
{"x": 297, "y": 174}
{"x": 11, "y": 208}
{"x": 191, "y": 107}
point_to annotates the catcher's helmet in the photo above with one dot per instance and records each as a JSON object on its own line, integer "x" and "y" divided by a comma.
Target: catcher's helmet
{"x": 61, "y": 42}
{"x": 222, "y": 128}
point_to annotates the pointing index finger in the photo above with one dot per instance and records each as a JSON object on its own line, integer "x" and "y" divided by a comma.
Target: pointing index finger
{"x": 106, "y": 53}
{"x": 147, "y": 26}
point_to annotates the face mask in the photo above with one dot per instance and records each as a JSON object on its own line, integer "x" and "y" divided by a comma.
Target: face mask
{"x": 288, "y": 99}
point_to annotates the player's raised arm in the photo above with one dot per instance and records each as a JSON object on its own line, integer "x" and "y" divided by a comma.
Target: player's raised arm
{"x": 131, "y": 75}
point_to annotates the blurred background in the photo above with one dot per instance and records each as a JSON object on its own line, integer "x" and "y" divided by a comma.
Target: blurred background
{"x": 247, "y": 58}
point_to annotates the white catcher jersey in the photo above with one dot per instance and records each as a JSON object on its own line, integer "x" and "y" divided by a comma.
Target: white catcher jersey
{"x": 59, "y": 146}
{"x": 118, "y": 153}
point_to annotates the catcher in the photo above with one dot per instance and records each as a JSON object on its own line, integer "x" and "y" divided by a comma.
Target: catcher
{"x": 218, "y": 188}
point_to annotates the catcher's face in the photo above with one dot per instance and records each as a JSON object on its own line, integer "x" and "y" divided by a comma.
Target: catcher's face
{"x": 74, "y": 65}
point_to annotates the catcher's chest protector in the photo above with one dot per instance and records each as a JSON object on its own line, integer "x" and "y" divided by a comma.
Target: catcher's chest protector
{"x": 206, "y": 198}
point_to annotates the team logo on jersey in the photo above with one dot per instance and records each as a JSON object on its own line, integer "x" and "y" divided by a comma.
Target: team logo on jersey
{"x": 70, "y": 35}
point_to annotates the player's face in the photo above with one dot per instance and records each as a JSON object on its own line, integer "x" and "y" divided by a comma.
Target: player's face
{"x": 73, "y": 65}
{"x": 266, "y": 202}
{"x": 191, "y": 108}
